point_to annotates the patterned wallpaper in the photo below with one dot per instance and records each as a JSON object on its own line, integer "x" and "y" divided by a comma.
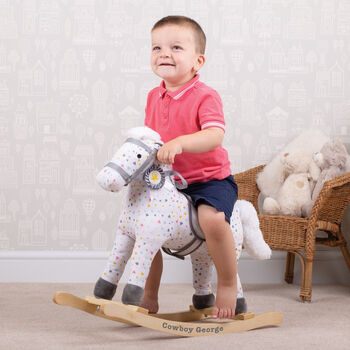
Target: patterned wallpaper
{"x": 74, "y": 75}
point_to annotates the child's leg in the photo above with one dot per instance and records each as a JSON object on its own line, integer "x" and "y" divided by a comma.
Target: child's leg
{"x": 221, "y": 246}
{"x": 150, "y": 298}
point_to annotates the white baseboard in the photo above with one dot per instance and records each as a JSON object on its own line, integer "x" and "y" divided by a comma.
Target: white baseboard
{"x": 86, "y": 266}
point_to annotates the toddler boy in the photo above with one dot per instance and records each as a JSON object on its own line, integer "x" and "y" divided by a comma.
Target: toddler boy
{"x": 189, "y": 117}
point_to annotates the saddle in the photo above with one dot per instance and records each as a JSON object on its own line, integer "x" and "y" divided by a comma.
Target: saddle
{"x": 198, "y": 234}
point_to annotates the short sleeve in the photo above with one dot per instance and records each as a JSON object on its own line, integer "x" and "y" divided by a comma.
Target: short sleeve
{"x": 210, "y": 111}
{"x": 147, "y": 114}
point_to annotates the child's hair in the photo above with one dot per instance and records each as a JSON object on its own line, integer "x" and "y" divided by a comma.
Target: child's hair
{"x": 182, "y": 20}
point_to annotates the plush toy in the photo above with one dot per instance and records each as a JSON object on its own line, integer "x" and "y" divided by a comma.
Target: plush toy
{"x": 271, "y": 178}
{"x": 332, "y": 160}
{"x": 299, "y": 173}
{"x": 157, "y": 215}
{"x": 298, "y": 162}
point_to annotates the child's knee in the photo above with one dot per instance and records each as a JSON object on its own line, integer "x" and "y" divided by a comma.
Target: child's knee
{"x": 212, "y": 222}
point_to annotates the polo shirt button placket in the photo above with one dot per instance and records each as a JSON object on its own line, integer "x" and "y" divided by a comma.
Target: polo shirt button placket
{"x": 166, "y": 106}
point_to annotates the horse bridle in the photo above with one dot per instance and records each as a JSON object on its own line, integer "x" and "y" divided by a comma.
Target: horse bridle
{"x": 149, "y": 161}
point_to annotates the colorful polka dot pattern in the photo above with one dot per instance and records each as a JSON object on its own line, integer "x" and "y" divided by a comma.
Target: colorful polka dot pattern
{"x": 153, "y": 218}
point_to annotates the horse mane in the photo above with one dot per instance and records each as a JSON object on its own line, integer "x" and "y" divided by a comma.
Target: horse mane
{"x": 143, "y": 133}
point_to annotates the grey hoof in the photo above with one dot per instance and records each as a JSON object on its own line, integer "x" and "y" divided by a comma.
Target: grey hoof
{"x": 241, "y": 306}
{"x": 203, "y": 301}
{"x": 104, "y": 289}
{"x": 132, "y": 295}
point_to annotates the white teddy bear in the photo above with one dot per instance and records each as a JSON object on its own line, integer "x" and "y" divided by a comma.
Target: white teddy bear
{"x": 271, "y": 178}
{"x": 298, "y": 177}
{"x": 333, "y": 160}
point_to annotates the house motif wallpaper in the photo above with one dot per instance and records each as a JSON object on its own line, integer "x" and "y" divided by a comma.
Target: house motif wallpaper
{"x": 74, "y": 76}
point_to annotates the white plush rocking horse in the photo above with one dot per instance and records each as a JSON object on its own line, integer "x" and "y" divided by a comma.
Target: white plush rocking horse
{"x": 157, "y": 215}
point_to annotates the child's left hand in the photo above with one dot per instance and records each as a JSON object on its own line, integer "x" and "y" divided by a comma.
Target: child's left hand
{"x": 166, "y": 154}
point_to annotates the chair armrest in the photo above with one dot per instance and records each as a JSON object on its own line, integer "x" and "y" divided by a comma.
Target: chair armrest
{"x": 333, "y": 200}
{"x": 338, "y": 181}
{"x": 247, "y": 188}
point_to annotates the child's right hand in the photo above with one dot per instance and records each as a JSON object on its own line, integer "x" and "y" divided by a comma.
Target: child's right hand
{"x": 166, "y": 154}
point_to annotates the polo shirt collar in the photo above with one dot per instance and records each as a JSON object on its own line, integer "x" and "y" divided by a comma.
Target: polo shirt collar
{"x": 180, "y": 92}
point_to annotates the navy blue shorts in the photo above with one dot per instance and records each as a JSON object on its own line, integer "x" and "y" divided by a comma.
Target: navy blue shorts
{"x": 219, "y": 194}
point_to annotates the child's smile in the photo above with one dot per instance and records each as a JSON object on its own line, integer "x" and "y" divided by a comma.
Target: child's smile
{"x": 166, "y": 64}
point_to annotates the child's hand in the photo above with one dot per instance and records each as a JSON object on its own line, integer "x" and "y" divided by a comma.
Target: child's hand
{"x": 166, "y": 154}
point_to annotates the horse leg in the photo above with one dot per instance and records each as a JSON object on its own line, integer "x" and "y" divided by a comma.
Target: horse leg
{"x": 106, "y": 285}
{"x": 241, "y": 305}
{"x": 202, "y": 272}
{"x": 141, "y": 260}
{"x": 202, "y": 266}
{"x": 237, "y": 231}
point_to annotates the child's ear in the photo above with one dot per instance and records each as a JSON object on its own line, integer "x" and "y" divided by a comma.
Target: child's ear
{"x": 199, "y": 62}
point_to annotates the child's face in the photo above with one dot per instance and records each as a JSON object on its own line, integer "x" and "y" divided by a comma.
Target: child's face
{"x": 174, "y": 57}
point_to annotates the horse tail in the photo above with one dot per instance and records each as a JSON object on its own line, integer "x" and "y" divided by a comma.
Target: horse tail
{"x": 253, "y": 239}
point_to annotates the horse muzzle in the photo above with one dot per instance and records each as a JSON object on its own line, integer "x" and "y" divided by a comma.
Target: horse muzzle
{"x": 110, "y": 180}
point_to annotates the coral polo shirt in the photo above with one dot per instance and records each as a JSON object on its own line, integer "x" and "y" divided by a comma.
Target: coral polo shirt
{"x": 194, "y": 107}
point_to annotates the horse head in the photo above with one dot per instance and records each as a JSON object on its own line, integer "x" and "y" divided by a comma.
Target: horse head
{"x": 134, "y": 159}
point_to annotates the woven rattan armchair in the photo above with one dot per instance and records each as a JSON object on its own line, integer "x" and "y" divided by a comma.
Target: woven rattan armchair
{"x": 297, "y": 236}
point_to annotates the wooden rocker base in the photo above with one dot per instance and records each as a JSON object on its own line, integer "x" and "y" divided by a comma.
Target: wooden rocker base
{"x": 187, "y": 323}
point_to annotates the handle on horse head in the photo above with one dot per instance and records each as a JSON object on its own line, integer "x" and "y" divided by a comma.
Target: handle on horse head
{"x": 179, "y": 186}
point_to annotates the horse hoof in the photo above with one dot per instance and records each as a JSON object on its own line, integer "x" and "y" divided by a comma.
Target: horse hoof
{"x": 104, "y": 289}
{"x": 203, "y": 301}
{"x": 132, "y": 295}
{"x": 241, "y": 306}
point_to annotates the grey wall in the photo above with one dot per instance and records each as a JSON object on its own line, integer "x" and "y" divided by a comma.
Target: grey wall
{"x": 75, "y": 74}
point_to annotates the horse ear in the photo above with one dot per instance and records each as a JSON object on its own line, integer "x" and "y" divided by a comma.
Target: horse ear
{"x": 143, "y": 133}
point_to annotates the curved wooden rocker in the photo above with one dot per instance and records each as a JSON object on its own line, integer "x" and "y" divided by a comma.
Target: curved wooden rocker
{"x": 186, "y": 324}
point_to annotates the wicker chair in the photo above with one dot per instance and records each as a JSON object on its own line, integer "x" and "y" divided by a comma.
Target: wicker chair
{"x": 297, "y": 236}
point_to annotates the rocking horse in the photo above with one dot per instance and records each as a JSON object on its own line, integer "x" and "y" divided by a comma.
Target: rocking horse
{"x": 157, "y": 215}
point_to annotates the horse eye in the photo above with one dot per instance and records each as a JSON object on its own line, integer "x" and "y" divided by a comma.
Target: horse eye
{"x": 139, "y": 156}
